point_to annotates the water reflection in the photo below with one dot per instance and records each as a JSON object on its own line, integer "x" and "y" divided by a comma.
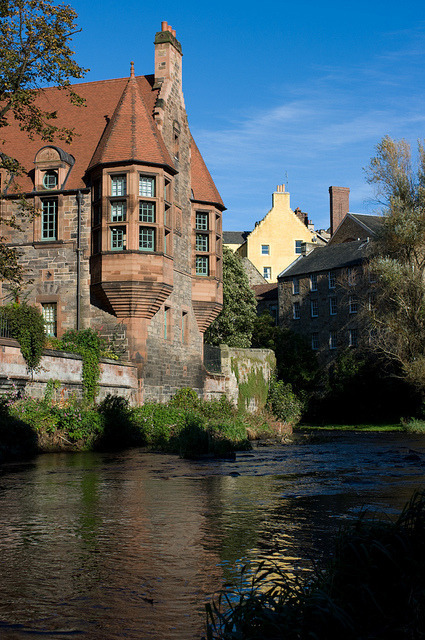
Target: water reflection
{"x": 131, "y": 545}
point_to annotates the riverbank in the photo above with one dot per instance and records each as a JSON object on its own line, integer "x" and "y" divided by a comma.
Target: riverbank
{"x": 186, "y": 426}
{"x": 307, "y": 428}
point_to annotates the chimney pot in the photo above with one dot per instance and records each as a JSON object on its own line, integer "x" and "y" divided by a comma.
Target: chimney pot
{"x": 174, "y": 32}
{"x": 164, "y": 26}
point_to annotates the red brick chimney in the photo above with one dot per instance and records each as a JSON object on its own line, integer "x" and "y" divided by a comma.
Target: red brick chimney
{"x": 339, "y": 205}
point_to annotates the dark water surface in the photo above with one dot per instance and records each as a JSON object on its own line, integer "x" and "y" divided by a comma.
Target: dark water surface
{"x": 102, "y": 546}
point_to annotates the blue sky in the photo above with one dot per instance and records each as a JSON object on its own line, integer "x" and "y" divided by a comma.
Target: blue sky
{"x": 297, "y": 93}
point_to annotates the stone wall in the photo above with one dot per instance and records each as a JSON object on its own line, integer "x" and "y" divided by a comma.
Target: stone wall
{"x": 117, "y": 378}
{"x": 245, "y": 377}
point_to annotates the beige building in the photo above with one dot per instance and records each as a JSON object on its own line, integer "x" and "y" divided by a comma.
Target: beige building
{"x": 277, "y": 240}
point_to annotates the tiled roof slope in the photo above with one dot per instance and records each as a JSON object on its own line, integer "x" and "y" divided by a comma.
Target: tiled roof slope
{"x": 203, "y": 187}
{"x": 265, "y": 291}
{"x": 235, "y": 237}
{"x": 131, "y": 134}
{"x": 371, "y": 222}
{"x": 333, "y": 256}
{"x": 106, "y": 101}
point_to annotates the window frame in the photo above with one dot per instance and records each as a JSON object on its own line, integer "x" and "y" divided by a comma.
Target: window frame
{"x": 314, "y": 308}
{"x": 295, "y": 286}
{"x": 315, "y": 341}
{"x": 122, "y": 230}
{"x": 298, "y": 247}
{"x": 333, "y": 340}
{"x": 313, "y": 281}
{"x": 265, "y": 249}
{"x": 45, "y": 308}
{"x": 116, "y": 180}
{"x": 333, "y": 306}
{"x": 145, "y": 179}
{"x": 49, "y": 219}
{"x": 269, "y": 271}
{"x": 147, "y": 212}
{"x": 149, "y": 244}
{"x": 202, "y": 260}
{"x": 296, "y": 310}
{"x": 331, "y": 279}
{"x": 353, "y": 304}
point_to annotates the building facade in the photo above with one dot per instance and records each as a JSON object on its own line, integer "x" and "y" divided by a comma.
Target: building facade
{"x": 129, "y": 236}
{"x": 325, "y": 293}
{"x": 276, "y": 241}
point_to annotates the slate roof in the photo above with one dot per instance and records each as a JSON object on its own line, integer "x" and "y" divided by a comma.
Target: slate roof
{"x": 235, "y": 237}
{"x": 332, "y": 256}
{"x": 371, "y": 222}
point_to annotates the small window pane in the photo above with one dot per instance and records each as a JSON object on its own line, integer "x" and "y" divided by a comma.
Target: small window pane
{"x": 118, "y": 211}
{"x": 118, "y": 185}
{"x": 314, "y": 305}
{"x": 267, "y": 273}
{"x": 353, "y": 338}
{"x": 202, "y": 221}
{"x": 147, "y": 211}
{"x": 146, "y": 239}
{"x": 332, "y": 340}
{"x": 50, "y": 318}
{"x": 147, "y": 186}
{"x": 331, "y": 279}
{"x": 117, "y": 238}
{"x": 50, "y": 180}
{"x": 298, "y": 246}
{"x": 332, "y": 306}
{"x": 296, "y": 311}
{"x": 202, "y": 265}
{"x": 265, "y": 249}
{"x": 295, "y": 286}
{"x": 201, "y": 242}
{"x": 49, "y": 219}
{"x": 313, "y": 282}
{"x": 314, "y": 341}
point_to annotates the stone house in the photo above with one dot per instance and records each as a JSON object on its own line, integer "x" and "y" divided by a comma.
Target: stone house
{"x": 322, "y": 295}
{"x": 276, "y": 241}
{"x": 129, "y": 236}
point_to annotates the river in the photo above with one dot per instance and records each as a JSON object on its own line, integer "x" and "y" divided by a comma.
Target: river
{"x": 105, "y": 546}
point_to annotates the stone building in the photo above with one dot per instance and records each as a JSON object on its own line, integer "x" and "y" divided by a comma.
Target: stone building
{"x": 323, "y": 293}
{"x": 276, "y": 241}
{"x": 129, "y": 236}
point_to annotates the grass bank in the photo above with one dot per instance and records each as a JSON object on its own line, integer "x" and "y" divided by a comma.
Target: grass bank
{"x": 186, "y": 425}
{"x": 372, "y": 587}
{"x": 349, "y": 427}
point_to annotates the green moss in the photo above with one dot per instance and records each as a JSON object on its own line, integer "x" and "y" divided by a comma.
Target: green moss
{"x": 255, "y": 387}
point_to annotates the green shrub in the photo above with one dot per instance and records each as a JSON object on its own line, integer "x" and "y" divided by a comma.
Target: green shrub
{"x": 193, "y": 439}
{"x": 414, "y": 425}
{"x": 119, "y": 429}
{"x": 26, "y": 325}
{"x": 89, "y": 345}
{"x": 283, "y": 402}
{"x": 185, "y": 399}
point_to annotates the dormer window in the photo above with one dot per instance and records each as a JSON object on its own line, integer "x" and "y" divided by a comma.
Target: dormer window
{"x": 50, "y": 179}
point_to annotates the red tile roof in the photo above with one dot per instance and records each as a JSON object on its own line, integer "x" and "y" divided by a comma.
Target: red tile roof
{"x": 105, "y": 131}
{"x": 203, "y": 187}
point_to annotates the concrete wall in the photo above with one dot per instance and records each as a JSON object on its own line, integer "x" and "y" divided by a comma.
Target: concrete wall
{"x": 245, "y": 377}
{"x": 116, "y": 378}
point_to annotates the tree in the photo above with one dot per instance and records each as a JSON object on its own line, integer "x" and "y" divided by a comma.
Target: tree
{"x": 397, "y": 308}
{"x": 234, "y": 325}
{"x": 34, "y": 51}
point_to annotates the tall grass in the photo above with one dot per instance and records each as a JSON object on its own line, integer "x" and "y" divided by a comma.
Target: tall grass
{"x": 372, "y": 588}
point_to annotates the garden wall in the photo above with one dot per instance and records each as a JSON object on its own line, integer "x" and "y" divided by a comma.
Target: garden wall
{"x": 245, "y": 376}
{"x": 117, "y": 378}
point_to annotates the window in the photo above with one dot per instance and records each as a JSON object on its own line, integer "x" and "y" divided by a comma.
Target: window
{"x": 184, "y": 326}
{"x": 331, "y": 279}
{"x": 201, "y": 221}
{"x": 49, "y": 312}
{"x": 147, "y": 186}
{"x": 332, "y": 340}
{"x": 313, "y": 282}
{"x": 267, "y": 273}
{"x": 314, "y": 308}
{"x": 201, "y": 242}
{"x": 118, "y": 238}
{"x": 351, "y": 276}
{"x": 295, "y": 286}
{"x": 49, "y": 219}
{"x": 202, "y": 266}
{"x": 353, "y": 304}
{"x": 118, "y": 185}
{"x": 296, "y": 311}
{"x": 332, "y": 306}
{"x": 353, "y": 338}
{"x": 147, "y": 211}
{"x": 315, "y": 341}
{"x": 265, "y": 249}
{"x": 50, "y": 180}
{"x": 118, "y": 210}
{"x": 167, "y": 312}
{"x": 298, "y": 246}
{"x": 146, "y": 239}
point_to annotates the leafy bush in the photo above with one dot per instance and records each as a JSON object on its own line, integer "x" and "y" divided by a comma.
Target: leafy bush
{"x": 283, "y": 402}
{"x": 26, "y": 325}
{"x": 89, "y": 345}
{"x": 185, "y": 399}
{"x": 414, "y": 425}
{"x": 119, "y": 429}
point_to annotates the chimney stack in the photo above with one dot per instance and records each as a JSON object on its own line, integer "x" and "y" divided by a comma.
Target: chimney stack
{"x": 339, "y": 205}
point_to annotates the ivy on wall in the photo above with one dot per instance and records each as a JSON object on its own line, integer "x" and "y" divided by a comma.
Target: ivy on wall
{"x": 26, "y": 325}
